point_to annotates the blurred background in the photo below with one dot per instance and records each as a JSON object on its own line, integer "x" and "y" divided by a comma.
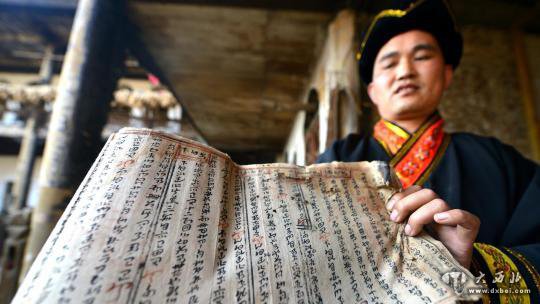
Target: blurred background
{"x": 264, "y": 81}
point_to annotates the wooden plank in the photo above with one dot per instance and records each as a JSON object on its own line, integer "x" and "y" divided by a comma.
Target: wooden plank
{"x": 238, "y": 72}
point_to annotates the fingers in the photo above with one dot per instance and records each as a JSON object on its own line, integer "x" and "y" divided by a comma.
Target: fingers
{"x": 424, "y": 215}
{"x": 399, "y": 195}
{"x": 411, "y": 202}
{"x": 467, "y": 223}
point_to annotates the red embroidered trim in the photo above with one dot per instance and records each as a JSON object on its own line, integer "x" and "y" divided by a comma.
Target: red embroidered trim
{"x": 390, "y": 141}
{"x": 414, "y": 155}
{"x": 420, "y": 155}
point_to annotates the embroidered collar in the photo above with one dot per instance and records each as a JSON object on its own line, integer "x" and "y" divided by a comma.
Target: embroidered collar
{"x": 413, "y": 156}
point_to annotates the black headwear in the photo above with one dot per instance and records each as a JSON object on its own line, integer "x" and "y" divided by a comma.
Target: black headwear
{"x": 432, "y": 16}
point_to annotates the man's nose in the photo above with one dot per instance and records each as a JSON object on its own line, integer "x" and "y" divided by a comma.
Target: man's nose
{"x": 405, "y": 69}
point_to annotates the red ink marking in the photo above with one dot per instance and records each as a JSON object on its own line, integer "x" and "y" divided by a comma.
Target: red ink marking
{"x": 126, "y": 163}
{"x": 257, "y": 240}
{"x": 237, "y": 235}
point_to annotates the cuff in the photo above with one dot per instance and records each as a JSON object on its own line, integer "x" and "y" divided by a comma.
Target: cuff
{"x": 529, "y": 271}
{"x": 504, "y": 279}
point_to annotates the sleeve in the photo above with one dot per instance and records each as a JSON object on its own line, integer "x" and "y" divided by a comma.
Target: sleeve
{"x": 509, "y": 269}
{"x": 347, "y": 149}
{"x": 507, "y": 276}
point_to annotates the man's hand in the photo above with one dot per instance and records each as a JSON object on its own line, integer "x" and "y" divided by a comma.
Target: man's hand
{"x": 456, "y": 228}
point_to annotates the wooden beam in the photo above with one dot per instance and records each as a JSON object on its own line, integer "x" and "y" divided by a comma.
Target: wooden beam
{"x": 43, "y": 7}
{"x": 140, "y": 51}
{"x": 302, "y": 5}
{"x": 53, "y": 4}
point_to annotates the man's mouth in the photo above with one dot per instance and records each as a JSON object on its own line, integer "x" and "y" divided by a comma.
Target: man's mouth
{"x": 406, "y": 89}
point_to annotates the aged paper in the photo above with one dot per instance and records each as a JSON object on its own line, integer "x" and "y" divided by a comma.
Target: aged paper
{"x": 163, "y": 219}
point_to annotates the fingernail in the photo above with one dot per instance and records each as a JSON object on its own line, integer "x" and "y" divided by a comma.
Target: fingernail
{"x": 441, "y": 216}
{"x": 393, "y": 215}
{"x": 408, "y": 229}
{"x": 390, "y": 204}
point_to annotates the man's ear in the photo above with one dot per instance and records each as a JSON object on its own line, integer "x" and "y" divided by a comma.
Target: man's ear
{"x": 448, "y": 75}
{"x": 372, "y": 92}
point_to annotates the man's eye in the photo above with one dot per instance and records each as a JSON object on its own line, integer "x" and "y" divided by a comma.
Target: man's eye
{"x": 425, "y": 57}
{"x": 388, "y": 66}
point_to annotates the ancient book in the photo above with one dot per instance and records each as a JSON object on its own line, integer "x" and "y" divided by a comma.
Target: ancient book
{"x": 163, "y": 219}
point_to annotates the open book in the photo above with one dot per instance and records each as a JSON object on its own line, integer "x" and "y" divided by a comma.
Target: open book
{"x": 163, "y": 219}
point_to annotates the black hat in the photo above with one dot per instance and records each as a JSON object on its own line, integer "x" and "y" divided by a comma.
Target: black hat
{"x": 432, "y": 16}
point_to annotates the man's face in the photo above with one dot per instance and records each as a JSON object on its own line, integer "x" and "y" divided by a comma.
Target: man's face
{"x": 409, "y": 77}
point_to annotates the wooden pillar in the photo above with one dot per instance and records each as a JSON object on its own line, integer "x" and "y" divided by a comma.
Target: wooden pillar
{"x": 16, "y": 225}
{"x": 46, "y": 69}
{"x": 27, "y": 153}
{"x": 338, "y": 68}
{"x": 27, "y": 158}
{"x": 527, "y": 92}
{"x": 17, "y": 216}
{"x": 91, "y": 68}
{"x": 16, "y": 219}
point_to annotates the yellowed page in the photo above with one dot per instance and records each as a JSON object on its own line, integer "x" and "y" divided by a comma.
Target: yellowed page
{"x": 163, "y": 219}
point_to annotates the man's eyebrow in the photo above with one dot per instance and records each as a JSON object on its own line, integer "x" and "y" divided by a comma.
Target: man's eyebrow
{"x": 387, "y": 55}
{"x": 424, "y": 46}
{"x": 418, "y": 47}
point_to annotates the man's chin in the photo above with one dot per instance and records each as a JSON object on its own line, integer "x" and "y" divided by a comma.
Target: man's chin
{"x": 408, "y": 110}
{"x": 408, "y": 101}
{"x": 409, "y": 113}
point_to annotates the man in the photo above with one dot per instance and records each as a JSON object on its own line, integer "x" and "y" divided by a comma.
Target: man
{"x": 452, "y": 182}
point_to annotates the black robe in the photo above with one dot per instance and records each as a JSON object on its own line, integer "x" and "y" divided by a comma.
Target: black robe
{"x": 485, "y": 177}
